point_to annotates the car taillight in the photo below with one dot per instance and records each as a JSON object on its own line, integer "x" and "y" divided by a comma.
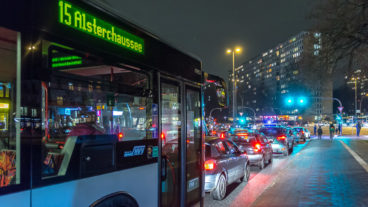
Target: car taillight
{"x": 209, "y": 165}
{"x": 213, "y": 132}
{"x": 282, "y": 137}
{"x": 257, "y": 147}
{"x": 222, "y": 135}
{"x": 121, "y": 136}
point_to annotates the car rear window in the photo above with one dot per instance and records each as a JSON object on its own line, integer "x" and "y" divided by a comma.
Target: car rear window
{"x": 249, "y": 139}
{"x": 207, "y": 150}
{"x": 298, "y": 129}
{"x": 271, "y": 131}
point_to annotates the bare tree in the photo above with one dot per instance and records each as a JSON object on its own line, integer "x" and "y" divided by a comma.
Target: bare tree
{"x": 344, "y": 25}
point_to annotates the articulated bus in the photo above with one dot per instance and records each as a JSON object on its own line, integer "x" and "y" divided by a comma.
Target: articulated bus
{"x": 95, "y": 111}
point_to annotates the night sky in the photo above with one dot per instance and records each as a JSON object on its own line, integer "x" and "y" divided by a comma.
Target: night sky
{"x": 205, "y": 29}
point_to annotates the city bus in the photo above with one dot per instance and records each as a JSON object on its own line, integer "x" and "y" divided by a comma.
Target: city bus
{"x": 95, "y": 111}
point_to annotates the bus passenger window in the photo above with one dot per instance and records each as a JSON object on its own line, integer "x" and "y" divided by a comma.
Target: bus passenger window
{"x": 9, "y": 108}
{"x": 91, "y": 98}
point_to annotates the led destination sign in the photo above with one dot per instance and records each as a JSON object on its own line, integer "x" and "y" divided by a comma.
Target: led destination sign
{"x": 76, "y": 18}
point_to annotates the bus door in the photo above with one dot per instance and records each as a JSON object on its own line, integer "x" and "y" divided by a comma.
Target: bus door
{"x": 180, "y": 145}
{"x": 170, "y": 143}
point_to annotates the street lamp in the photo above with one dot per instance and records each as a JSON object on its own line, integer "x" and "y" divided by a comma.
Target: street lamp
{"x": 233, "y": 51}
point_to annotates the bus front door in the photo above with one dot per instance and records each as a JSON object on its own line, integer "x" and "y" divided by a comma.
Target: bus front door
{"x": 170, "y": 144}
{"x": 181, "y": 157}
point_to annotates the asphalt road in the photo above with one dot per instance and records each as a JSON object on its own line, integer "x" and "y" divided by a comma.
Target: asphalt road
{"x": 317, "y": 173}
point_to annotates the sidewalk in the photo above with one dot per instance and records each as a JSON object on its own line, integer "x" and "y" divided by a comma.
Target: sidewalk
{"x": 364, "y": 137}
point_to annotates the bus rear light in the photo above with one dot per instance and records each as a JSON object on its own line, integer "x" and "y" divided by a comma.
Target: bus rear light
{"x": 210, "y": 164}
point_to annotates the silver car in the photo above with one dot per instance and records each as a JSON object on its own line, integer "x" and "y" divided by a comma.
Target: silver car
{"x": 224, "y": 164}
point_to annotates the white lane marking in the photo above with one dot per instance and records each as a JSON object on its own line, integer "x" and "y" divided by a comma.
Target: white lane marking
{"x": 356, "y": 156}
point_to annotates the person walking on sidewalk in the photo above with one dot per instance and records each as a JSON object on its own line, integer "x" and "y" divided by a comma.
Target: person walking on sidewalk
{"x": 315, "y": 130}
{"x": 332, "y": 131}
{"x": 320, "y": 132}
{"x": 358, "y": 127}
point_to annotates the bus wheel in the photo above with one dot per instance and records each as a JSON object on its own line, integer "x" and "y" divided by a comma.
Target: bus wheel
{"x": 220, "y": 190}
{"x": 121, "y": 200}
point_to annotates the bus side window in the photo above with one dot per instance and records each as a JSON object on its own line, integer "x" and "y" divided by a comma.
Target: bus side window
{"x": 10, "y": 131}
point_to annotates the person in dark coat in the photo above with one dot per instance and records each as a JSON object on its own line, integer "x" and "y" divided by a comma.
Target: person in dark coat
{"x": 358, "y": 127}
{"x": 320, "y": 132}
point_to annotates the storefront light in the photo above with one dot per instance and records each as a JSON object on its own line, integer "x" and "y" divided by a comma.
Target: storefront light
{"x": 4, "y": 106}
{"x": 117, "y": 113}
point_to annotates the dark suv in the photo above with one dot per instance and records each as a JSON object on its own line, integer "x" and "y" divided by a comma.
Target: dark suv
{"x": 282, "y": 142}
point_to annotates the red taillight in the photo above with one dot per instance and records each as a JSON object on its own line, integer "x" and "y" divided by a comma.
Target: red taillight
{"x": 282, "y": 137}
{"x": 222, "y": 135}
{"x": 213, "y": 132}
{"x": 257, "y": 147}
{"x": 209, "y": 165}
{"x": 120, "y": 136}
{"x": 162, "y": 136}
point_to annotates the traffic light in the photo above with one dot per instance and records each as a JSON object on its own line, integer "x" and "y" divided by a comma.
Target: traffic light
{"x": 289, "y": 101}
{"x": 338, "y": 118}
{"x": 299, "y": 101}
{"x": 241, "y": 120}
{"x": 302, "y": 101}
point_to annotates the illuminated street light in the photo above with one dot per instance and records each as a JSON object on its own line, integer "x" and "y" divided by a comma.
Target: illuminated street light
{"x": 233, "y": 51}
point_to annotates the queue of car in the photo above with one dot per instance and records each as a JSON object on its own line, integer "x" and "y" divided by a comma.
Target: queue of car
{"x": 229, "y": 154}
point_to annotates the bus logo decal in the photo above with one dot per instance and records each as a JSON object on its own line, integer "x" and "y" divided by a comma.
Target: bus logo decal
{"x": 137, "y": 150}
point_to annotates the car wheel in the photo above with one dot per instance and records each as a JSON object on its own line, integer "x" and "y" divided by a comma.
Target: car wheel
{"x": 220, "y": 190}
{"x": 261, "y": 165}
{"x": 245, "y": 178}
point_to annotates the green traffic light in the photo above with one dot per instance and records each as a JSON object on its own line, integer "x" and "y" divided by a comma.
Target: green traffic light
{"x": 289, "y": 101}
{"x": 302, "y": 101}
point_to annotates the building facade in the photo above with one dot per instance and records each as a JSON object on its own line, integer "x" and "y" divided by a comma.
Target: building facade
{"x": 288, "y": 79}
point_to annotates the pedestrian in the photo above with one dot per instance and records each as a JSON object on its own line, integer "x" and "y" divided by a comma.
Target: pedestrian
{"x": 332, "y": 131}
{"x": 320, "y": 132}
{"x": 315, "y": 129}
{"x": 358, "y": 127}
